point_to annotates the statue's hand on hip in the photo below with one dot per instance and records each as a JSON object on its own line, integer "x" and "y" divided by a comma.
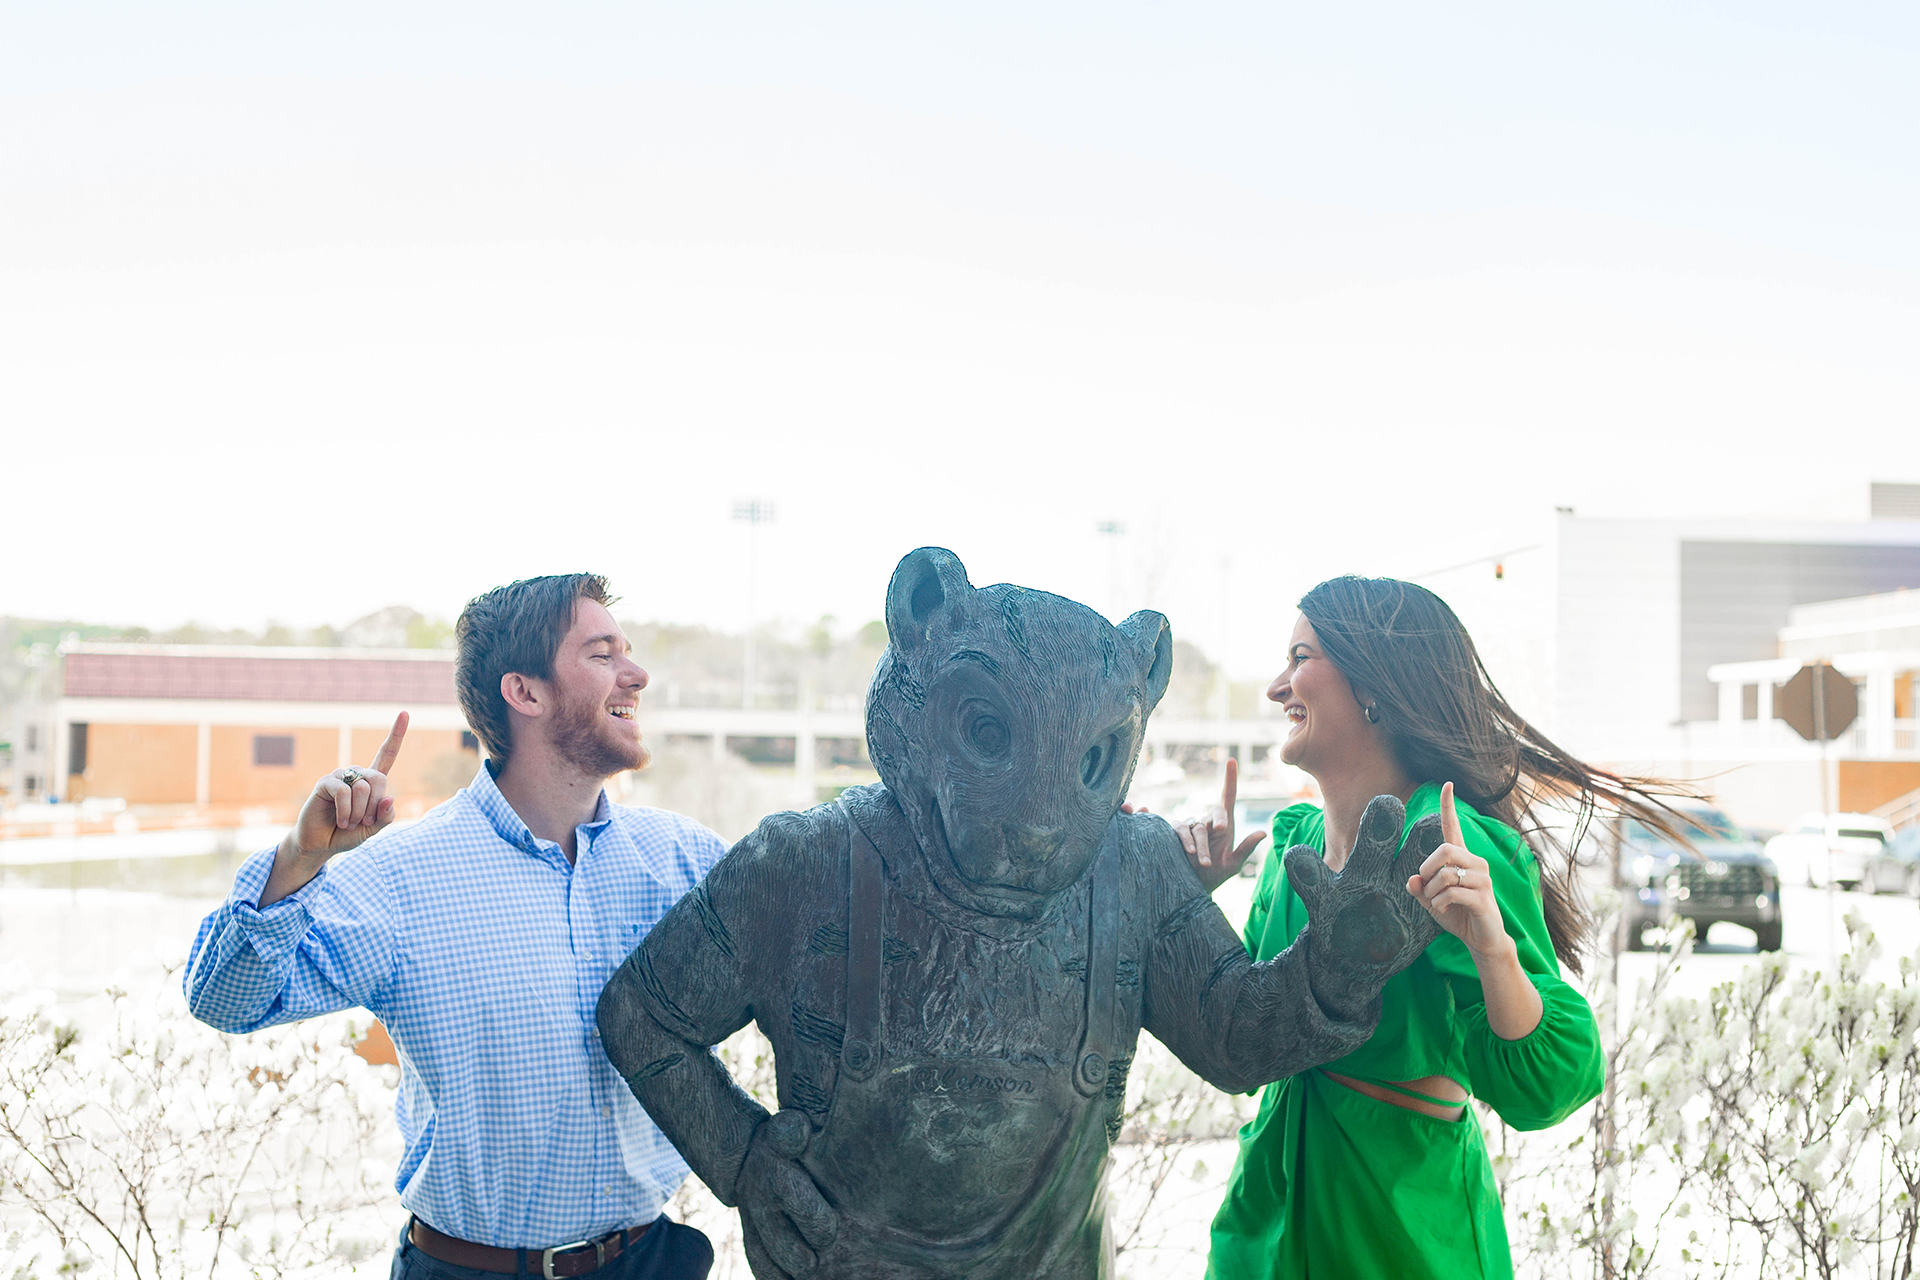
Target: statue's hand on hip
{"x": 785, "y": 1221}
{"x": 1363, "y": 924}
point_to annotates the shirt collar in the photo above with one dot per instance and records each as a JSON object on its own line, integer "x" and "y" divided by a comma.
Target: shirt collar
{"x": 485, "y": 794}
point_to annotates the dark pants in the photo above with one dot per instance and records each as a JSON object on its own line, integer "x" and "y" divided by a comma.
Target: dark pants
{"x": 669, "y": 1251}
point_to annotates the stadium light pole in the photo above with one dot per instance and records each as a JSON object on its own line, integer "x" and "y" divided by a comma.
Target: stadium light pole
{"x": 755, "y": 512}
{"x": 1112, "y": 531}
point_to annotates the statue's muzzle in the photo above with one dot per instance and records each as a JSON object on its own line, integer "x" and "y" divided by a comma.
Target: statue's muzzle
{"x": 1029, "y": 846}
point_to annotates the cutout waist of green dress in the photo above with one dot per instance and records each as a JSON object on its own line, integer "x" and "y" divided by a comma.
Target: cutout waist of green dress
{"x": 1409, "y": 1093}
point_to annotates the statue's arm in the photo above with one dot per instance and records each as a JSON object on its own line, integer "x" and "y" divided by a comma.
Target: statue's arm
{"x": 1239, "y": 1024}
{"x": 681, "y": 991}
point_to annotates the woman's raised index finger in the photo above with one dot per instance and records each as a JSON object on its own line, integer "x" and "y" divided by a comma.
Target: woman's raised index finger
{"x": 1230, "y": 787}
{"x": 1449, "y": 818}
{"x": 390, "y": 749}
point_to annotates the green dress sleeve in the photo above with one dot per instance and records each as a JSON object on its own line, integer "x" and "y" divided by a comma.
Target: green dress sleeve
{"x": 1540, "y": 1079}
{"x": 1543, "y": 1077}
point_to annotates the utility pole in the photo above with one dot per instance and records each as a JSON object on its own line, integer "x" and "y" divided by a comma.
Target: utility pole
{"x": 1113, "y": 531}
{"x": 1820, "y": 704}
{"x": 755, "y": 512}
{"x": 1821, "y": 736}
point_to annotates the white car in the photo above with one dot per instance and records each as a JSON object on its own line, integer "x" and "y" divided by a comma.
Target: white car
{"x": 1855, "y": 839}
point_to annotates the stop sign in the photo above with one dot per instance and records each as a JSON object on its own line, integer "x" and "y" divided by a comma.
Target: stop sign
{"x": 1817, "y": 698}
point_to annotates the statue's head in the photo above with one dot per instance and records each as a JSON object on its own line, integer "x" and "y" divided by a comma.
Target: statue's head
{"x": 1006, "y": 722}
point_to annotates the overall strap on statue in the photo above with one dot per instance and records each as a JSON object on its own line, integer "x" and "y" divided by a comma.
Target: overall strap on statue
{"x": 1103, "y": 965}
{"x": 860, "y": 1048}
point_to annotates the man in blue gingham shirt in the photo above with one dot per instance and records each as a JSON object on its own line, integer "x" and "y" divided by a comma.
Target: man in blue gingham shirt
{"x": 481, "y": 937}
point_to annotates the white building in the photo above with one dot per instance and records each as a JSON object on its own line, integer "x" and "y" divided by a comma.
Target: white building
{"x": 1620, "y": 638}
{"x": 1875, "y": 641}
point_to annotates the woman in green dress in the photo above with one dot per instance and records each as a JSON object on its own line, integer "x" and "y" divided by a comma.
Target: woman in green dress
{"x": 1374, "y": 1165}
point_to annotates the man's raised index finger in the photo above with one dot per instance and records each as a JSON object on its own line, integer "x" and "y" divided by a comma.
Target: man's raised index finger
{"x": 1230, "y": 787}
{"x": 390, "y": 749}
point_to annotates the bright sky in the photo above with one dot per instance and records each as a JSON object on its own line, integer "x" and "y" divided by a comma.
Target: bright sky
{"x": 307, "y": 309}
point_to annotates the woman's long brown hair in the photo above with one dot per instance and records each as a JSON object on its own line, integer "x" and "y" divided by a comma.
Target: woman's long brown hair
{"x": 1405, "y": 652}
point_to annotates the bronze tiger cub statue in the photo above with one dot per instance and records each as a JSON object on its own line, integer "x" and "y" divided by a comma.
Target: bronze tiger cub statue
{"x": 954, "y": 966}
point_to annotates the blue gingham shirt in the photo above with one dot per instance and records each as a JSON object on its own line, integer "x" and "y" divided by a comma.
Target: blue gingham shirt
{"x": 483, "y": 952}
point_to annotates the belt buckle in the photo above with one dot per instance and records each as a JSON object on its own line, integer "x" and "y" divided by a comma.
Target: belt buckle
{"x": 546, "y": 1256}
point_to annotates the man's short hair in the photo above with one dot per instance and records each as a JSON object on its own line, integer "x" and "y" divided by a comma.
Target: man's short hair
{"x": 514, "y": 629}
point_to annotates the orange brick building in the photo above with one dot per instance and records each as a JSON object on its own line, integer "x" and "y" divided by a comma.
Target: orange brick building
{"x": 241, "y": 728}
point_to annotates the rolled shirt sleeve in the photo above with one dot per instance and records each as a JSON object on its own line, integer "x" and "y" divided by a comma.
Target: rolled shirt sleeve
{"x": 330, "y": 945}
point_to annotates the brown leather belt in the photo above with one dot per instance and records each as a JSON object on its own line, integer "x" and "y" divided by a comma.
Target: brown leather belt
{"x": 557, "y": 1263}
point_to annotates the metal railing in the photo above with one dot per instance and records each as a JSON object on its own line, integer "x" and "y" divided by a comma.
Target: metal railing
{"x": 1899, "y": 738}
{"x": 1901, "y": 811}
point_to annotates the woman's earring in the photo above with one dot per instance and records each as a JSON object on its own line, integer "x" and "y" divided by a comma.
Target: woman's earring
{"x": 1373, "y": 713}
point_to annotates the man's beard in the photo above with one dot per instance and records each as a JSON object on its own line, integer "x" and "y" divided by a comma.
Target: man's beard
{"x": 588, "y": 746}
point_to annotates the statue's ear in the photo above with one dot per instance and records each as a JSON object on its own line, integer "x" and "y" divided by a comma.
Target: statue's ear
{"x": 927, "y": 584}
{"x": 1152, "y": 639}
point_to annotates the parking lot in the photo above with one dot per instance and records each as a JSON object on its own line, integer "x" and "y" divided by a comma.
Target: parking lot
{"x": 1813, "y": 933}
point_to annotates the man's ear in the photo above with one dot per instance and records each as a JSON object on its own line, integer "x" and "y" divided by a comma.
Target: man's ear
{"x": 929, "y": 582}
{"x": 1152, "y": 640}
{"x": 524, "y": 694}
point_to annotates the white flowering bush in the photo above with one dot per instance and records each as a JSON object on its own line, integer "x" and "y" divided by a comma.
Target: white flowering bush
{"x": 1178, "y": 1140}
{"x": 1769, "y": 1129}
{"x": 139, "y": 1142}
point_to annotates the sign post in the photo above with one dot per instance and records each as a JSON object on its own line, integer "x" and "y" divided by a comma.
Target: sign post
{"x": 1820, "y": 704}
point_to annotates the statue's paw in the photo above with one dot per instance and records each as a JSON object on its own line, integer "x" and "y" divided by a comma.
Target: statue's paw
{"x": 1368, "y": 934}
{"x": 1370, "y": 926}
{"x": 790, "y": 1219}
{"x": 1426, "y": 929}
{"x": 1426, "y": 836}
{"x": 1310, "y": 880}
{"x": 1371, "y": 861}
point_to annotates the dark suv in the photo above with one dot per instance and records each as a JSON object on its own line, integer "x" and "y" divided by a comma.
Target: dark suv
{"x": 1724, "y": 876}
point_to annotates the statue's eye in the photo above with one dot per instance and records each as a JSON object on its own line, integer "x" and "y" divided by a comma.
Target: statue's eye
{"x": 1095, "y": 765}
{"x": 987, "y": 733}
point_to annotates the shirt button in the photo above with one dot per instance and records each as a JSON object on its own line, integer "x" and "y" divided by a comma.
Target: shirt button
{"x": 606, "y": 1111}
